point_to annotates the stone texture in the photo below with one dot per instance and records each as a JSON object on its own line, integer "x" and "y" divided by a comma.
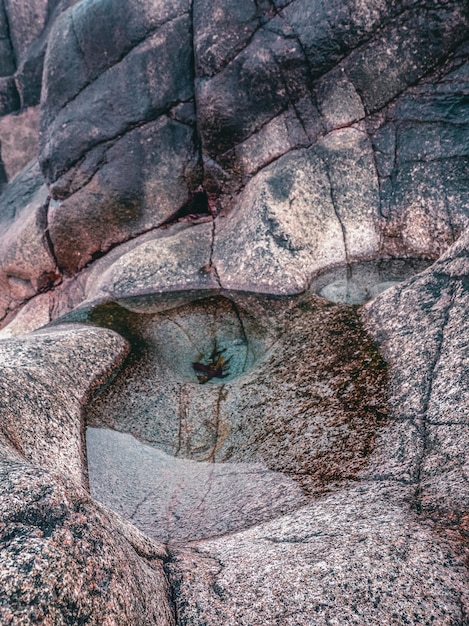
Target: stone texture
{"x": 63, "y": 562}
{"x": 156, "y": 264}
{"x": 279, "y": 402}
{"x": 143, "y": 183}
{"x": 311, "y": 209}
{"x": 150, "y": 78}
{"x": 27, "y": 265}
{"x": 194, "y": 152}
{"x": 353, "y": 558}
{"x": 175, "y": 500}
{"x": 19, "y": 140}
{"x": 45, "y": 378}
{"x": 427, "y": 354}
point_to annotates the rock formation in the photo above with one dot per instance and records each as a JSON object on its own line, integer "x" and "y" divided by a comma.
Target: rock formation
{"x": 234, "y": 243}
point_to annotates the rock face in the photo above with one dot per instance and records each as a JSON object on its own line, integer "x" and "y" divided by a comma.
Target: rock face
{"x": 233, "y": 292}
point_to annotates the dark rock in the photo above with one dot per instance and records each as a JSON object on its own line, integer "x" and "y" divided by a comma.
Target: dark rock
{"x": 7, "y": 56}
{"x": 134, "y": 185}
{"x": 402, "y": 54}
{"x": 256, "y": 86}
{"x": 149, "y": 80}
{"x": 9, "y": 97}
{"x": 237, "y": 23}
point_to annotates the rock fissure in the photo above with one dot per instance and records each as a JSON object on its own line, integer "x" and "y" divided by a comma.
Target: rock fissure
{"x": 220, "y": 397}
{"x": 211, "y": 266}
{"x": 119, "y": 59}
{"x": 337, "y": 214}
{"x": 422, "y": 425}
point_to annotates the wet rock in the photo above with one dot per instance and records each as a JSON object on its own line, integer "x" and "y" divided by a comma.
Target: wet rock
{"x": 265, "y": 393}
{"x": 357, "y": 283}
{"x": 175, "y": 500}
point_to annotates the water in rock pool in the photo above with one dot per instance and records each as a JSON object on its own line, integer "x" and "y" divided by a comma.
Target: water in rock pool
{"x": 233, "y": 409}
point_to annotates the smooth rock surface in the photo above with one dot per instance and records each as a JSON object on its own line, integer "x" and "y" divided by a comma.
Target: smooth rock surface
{"x": 204, "y": 167}
{"x": 175, "y": 500}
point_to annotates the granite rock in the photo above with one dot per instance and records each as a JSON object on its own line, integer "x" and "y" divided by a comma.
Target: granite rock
{"x": 222, "y": 187}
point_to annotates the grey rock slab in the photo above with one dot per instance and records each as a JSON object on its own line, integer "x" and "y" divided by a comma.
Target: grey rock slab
{"x": 45, "y": 379}
{"x": 311, "y": 209}
{"x": 338, "y": 101}
{"x": 221, "y": 31}
{"x": 176, "y": 500}
{"x": 92, "y": 37}
{"x": 418, "y": 326}
{"x": 152, "y": 78}
{"x": 9, "y": 96}
{"x": 66, "y": 560}
{"x": 282, "y": 134}
{"x": 7, "y": 57}
{"x": 255, "y": 87}
{"x": 357, "y": 557}
{"x": 135, "y": 184}
{"x": 328, "y": 31}
{"x": 34, "y": 314}
{"x": 161, "y": 262}
{"x": 422, "y": 160}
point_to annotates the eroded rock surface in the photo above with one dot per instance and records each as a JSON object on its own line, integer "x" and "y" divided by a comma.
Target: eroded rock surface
{"x": 214, "y": 192}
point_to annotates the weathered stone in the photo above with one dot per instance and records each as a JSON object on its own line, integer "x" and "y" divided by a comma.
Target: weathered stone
{"x": 428, "y": 365}
{"x": 136, "y": 184}
{"x": 9, "y": 97}
{"x": 7, "y": 57}
{"x": 349, "y": 558}
{"x": 63, "y": 561}
{"x": 307, "y": 211}
{"x": 27, "y": 265}
{"x": 202, "y": 148}
{"x": 254, "y": 88}
{"x": 45, "y": 378}
{"x": 19, "y": 140}
{"x": 176, "y": 500}
{"x": 156, "y": 263}
{"x": 26, "y": 20}
{"x": 148, "y": 81}
{"x": 275, "y": 401}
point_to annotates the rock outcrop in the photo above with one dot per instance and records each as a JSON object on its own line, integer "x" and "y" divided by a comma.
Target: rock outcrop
{"x": 233, "y": 305}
